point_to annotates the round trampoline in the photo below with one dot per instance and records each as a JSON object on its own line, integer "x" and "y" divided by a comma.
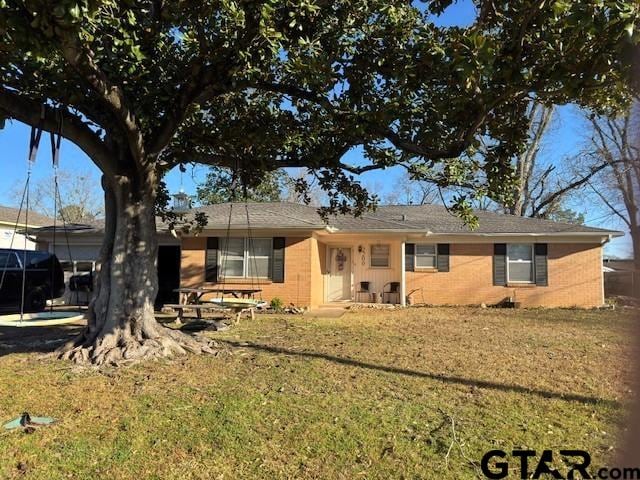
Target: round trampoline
{"x": 42, "y": 319}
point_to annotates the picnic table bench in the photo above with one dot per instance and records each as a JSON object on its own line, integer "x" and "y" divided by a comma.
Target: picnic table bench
{"x": 198, "y": 308}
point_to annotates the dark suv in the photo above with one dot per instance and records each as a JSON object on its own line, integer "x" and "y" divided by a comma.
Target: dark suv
{"x": 44, "y": 279}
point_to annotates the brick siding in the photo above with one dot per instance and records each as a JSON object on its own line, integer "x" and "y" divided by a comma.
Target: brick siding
{"x": 297, "y": 271}
{"x": 575, "y": 276}
{"x": 575, "y": 279}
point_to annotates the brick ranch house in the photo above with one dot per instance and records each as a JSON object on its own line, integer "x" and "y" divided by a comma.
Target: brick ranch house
{"x": 430, "y": 255}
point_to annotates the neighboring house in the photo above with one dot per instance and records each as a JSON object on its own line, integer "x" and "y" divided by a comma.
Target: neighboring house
{"x": 428, "y": 253}
{"x": 11, "y": 226}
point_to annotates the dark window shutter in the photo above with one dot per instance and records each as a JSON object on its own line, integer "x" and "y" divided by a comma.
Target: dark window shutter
{"x": 277, "y": 264}
{"x": 443, "y": 257}
{"x": 211, "y": 268}
{"x": 499, "y": 263}
{"x": 540, "y": 252}
{"x": 409, "y": 257}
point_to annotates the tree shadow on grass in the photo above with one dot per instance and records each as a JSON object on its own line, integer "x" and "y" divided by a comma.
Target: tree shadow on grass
{"x": 570, "y": 397}
{"x": 35, "y": 339}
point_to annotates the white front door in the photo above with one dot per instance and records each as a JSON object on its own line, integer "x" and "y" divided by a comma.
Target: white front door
{"x": 340, "y": 275}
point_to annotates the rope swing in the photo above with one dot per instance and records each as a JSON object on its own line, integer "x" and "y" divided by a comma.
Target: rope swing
{"x": 238, "y": 177}
{"x": 24, "y": 319}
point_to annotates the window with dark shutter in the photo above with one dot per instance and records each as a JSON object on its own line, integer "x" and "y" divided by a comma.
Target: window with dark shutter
{"x": 211, "y": 262}
{"x": 443, "y": 257}
{"x": 409, "y": 257}
{"x": 277, "y": 265}
{"x": 500, "y": 264}
{"x": 542, "y": 276}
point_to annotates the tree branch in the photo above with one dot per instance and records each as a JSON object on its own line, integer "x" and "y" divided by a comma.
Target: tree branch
{"x": 575, "y": 184}
{"x": 456, "y": 148}
{"x": 81, "y": 59}
{"x": 204, "y": 83}
{"x": 74, "y": 128}
{"x": 613, "y": 209}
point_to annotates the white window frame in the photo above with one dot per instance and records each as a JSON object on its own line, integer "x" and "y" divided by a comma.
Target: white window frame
{"x": 388, "y": 265}
{"x": 417, "y": 255}
{"x": 245, "y": 258}
{"x": 531, "y": 262}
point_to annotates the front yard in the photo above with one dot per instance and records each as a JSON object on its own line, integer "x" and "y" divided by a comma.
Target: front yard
{"x": 369, "y": 395}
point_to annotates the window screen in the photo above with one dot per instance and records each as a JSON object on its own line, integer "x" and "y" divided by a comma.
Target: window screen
{"x": 259, "y": 257}
{"x": 380, "y": 255}
{"x": 426, "y": 256}
{"x": 520, "y": 263}
{"x": 232, "y": 257}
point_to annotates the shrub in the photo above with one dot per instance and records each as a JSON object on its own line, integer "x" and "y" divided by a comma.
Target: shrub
{"x": 276, "y": 304}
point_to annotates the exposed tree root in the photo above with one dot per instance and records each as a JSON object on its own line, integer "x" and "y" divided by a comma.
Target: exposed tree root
{"x": 121, "y": 325}
{"x": 104, "y": 352}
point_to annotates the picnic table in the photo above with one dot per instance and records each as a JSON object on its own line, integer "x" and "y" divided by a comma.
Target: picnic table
{"x": 191, "y": 299}
{"x": 194, "y": 294}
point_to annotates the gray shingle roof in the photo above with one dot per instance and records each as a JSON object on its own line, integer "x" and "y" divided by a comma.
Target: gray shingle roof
{"x": 407, "y": 218}
{"x": 421, "y": 218}
{"x": 262, "y": 215}
{"x": 10, "y": 215}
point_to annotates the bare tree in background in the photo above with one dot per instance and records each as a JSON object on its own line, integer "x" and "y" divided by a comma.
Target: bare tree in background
{"x": 301, "y": 187}
{"x": 545, "y": 186}
{"x": 616, "y": 143}
{"x": 532, "y": 182}
{"x": 81, "y": 198}
{"x": 410, "y": 191}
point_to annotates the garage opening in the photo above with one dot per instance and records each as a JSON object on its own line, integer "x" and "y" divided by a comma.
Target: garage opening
{"x": 168, "y": 274}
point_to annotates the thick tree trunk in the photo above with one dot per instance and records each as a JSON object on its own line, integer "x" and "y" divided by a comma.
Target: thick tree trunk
{"x": 121, "y": 326}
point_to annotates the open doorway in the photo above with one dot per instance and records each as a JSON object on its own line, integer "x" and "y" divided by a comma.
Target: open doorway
{"x": 168, "y": 274}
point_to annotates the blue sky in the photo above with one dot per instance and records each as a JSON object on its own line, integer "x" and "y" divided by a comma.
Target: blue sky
{"x": 566, "y": 139}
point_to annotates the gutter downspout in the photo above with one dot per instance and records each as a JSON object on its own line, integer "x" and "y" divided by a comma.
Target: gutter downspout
{"x": 403, "y": 279}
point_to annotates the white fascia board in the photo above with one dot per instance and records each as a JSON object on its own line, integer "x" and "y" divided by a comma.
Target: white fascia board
{"x": 556, "y": 237}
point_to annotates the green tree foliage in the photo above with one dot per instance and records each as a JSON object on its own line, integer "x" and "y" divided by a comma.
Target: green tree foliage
{"x": 145, "y": 85}
{"x": 220, "y": 187}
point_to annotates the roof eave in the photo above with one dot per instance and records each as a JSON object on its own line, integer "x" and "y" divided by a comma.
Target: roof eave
{"x": 477, "y": 234}
{"x": 603, "y": 233}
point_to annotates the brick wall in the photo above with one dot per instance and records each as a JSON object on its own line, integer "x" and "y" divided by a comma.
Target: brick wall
{"x": 575, "y": 279}
{"x": 297, "y": 268}
{"x": 575, "y": 276}
{"x": 318, "y": 270}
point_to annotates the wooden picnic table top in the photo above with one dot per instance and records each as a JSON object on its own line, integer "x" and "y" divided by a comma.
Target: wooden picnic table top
{"x": 192, "y": 290}
{"x": 236, "y": 290}
{"x": 217, "y": 290}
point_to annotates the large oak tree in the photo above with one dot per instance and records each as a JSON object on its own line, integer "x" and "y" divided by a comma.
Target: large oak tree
{"x": 143, "y": 85}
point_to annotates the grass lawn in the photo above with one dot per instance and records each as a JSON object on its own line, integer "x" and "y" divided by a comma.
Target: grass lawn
{"x": 373, "y": 394}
